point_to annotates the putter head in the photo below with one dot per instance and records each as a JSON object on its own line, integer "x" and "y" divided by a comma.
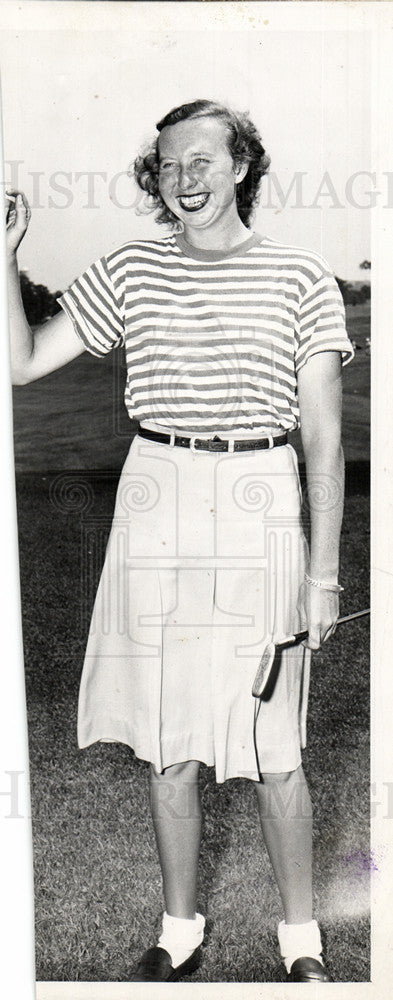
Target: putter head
{"x": 263, "y": 673}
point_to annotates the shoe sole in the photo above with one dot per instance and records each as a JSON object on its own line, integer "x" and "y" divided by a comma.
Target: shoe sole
{"x": 186, "y": 968}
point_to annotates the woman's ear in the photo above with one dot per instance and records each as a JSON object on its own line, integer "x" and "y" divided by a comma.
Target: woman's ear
{"x": 241, "y": 170}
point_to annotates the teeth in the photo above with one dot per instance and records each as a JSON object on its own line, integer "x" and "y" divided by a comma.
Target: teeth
{"x": 193, "y": 201}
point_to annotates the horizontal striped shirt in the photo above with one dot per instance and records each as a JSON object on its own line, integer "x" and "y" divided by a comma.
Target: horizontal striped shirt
{"x": 213, "y": 340}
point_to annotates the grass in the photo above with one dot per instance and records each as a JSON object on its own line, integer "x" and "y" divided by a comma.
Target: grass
{"x": 97, "y": 880}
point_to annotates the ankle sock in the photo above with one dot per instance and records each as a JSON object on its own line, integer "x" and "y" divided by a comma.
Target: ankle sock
{"x": 180, "y": 937}
{"x": 299, "y": 941}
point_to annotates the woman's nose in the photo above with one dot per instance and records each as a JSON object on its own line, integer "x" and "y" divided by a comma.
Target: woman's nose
{"x": 186, "y": 178}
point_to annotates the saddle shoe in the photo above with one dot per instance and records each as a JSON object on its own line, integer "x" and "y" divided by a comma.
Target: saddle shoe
{"x": 308, "y": 970}
{"x": 155, "y": 967}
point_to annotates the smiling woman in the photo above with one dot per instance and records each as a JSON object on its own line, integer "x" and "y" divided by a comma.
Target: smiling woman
{"x": 232, "y": 340}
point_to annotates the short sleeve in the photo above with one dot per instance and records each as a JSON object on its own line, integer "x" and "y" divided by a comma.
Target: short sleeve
{"x": 322, "y": 322}
{"x": 92, "y": 305}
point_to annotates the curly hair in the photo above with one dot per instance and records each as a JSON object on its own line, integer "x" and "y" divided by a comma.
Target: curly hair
{"x": 244, "y": 144}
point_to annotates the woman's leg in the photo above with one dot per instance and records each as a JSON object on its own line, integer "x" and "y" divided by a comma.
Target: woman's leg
{"x": 176, "y": 812}
{"x": 286, "y": 818}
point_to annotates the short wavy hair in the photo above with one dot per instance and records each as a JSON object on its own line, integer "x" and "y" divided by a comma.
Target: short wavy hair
{"x": 244, "y": 144}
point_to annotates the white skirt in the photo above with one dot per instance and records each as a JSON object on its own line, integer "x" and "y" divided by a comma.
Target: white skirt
{"x": 203, "y": 566}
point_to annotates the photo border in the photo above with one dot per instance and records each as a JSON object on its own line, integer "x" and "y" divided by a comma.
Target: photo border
{"x": 251, "y": 15}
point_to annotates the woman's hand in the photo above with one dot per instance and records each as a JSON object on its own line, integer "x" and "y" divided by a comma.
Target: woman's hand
{"x": 17, "y": 220}
{"x": 318, "y": 610}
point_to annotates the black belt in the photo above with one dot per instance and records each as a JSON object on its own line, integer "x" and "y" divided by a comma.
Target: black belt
{"x": 213, "y": 444}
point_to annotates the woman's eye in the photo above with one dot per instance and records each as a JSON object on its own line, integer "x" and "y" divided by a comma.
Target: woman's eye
{"x": 166, "y": 166}
{"x": 199, "y": 159}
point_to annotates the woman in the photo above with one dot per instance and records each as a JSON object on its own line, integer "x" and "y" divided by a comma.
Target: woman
{"x": 231, "y": 341}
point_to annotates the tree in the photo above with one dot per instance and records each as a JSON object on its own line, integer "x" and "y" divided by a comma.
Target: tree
{"x": 353, "y": 294}
{"x": 38, "y": 302}
{"x": 343, "y": 285}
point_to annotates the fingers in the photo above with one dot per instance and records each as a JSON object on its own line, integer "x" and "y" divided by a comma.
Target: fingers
{"x": 314, "y": 640}
{"x": 330, "y": 632}
{"x": 319, "y": 633}
{"x": 13, "y": 193}
{"x": 17, "y": 217}
{"x": 321, "y": 610}
{"x": 18, "y": 208}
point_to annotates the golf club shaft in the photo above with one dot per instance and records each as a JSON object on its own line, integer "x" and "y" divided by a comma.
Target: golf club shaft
{"x": 293, "y": 640}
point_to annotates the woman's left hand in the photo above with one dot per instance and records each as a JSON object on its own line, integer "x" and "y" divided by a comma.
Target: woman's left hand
{"x": 319, "y": 611}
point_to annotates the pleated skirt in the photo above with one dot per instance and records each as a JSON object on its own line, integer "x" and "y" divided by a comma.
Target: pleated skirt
{"x": 203, "y": 566}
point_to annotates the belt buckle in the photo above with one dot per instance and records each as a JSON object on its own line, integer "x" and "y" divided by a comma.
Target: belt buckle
{"x": 216, "y": 444}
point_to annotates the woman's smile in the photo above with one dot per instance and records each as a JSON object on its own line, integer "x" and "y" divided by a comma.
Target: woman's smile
{"x": 193, "y": 202}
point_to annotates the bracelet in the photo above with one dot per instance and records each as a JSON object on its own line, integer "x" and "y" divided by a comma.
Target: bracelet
{"x": 334, "y": 587}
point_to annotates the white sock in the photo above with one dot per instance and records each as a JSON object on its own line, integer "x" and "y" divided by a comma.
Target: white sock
{"x": 298, "y": 941}
{"x": 180, "y": 937}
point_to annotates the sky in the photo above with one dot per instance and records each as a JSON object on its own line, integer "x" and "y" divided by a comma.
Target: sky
{"x": 78, "y": 104}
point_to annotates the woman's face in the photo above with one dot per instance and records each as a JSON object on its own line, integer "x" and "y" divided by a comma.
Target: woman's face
{"x": 197, "y": 176}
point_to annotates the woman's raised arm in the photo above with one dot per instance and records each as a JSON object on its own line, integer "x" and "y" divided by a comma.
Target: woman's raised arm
{"x": 53, "y": 344}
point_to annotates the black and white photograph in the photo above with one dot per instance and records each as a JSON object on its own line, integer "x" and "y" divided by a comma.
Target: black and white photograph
{"x": 193, "y": 218}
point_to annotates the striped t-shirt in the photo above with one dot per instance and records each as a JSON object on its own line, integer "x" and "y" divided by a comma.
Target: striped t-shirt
{"x": 213, "y": 340}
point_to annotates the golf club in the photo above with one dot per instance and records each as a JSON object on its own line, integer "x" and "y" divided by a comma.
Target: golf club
{"x": 269, "y": 654}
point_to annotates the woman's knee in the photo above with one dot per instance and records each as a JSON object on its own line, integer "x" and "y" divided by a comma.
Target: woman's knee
{"x": 174, "y": 793}
{"x": 284, "y": 777}
{"x": 186, "y": 771}
{"x": 284, "y": 794}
